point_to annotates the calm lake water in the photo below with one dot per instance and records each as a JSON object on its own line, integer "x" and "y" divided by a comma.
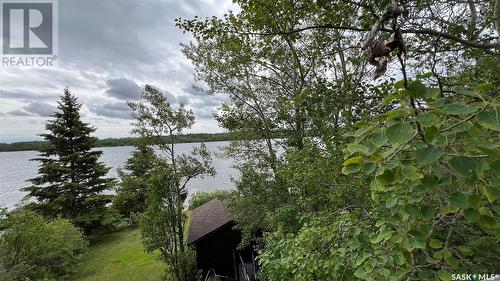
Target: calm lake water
{"x": 15, "y": 169}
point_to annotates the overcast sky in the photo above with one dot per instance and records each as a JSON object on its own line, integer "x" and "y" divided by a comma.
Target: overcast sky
{"x": 108, "y": 50}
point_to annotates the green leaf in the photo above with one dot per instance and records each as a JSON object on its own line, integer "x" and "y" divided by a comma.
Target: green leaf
{"x": 430, "y": 134}
{"x": 466, "y": 251}
{"x": 428, "y": 212}
{"x": 368, "y": 168}
{"x": 353, "y": 160}
{"x": 361, "y": 131}
{"x": 350, "y": 169}
{"x": 378, "y": 139}
{"x": 475, "y": 201}
{"x": 428, "y": 119}
{"x": 495, "y": 168}
{"x": 411, "y": 172}
{"x": 486, "y": 222}
{"x": 412, "y": 210}
{"x": 444, "y": 275}
{"x": 354, "y": 148}
{"x": 391, "y": 202}
{"x": 458, "y": 109}
{"x": 489, "y": 119}
{"x": 399, "y": 84}
{"x": 387, "y": 177}
{"x": 490, "y": 150}
{"x": 399, "y": 133}
{"x": 471, "y": 215}
{"x": 360, "y": 273}
{"x": 393, "y": 96}
{"x": 425, "y": 75}
{"x": 430, "y": 182}
{"x": 352, "y": 165}
{"x": 465, "y": 92}
{"x": 459, "y": 200}
{"x": 442, "y": 254}
{"x": 417, "y": 90}
{"x": 429, "y": 154}
{"x": 436, "y": 244}
{"x": 492, "y": 193}
{"x": 463, "y": 165}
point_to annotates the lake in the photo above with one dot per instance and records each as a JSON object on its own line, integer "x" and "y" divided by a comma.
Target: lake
{"x": 16, "y": 168}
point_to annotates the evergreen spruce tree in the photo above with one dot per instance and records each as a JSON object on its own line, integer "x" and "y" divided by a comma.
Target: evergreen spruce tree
{"x": 131, "y": 192}
{"x": 71, "y": 179}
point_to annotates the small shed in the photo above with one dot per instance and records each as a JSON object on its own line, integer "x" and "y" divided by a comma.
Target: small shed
{"x": 212, "y": 234}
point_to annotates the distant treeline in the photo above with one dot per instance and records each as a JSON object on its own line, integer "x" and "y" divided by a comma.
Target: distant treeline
{"x": 37, "y": 145}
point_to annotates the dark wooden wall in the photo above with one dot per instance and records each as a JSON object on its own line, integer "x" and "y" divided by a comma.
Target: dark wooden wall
{"x": 217, "y": 252}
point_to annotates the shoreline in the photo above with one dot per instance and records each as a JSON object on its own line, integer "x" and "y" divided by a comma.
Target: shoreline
{"x": 118, "y": 142}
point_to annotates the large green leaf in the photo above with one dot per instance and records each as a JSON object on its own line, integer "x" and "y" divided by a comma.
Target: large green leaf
{"x": 492, "y": 192}
{"x": 354, "y": 148}
{"x": 352, "y": 165}
{"x": 391, "y": 202}
{"x": 436, "y": 244}
{"x": 471, "y": 215}
{"x": 353, "y": 160}
{"x": 459, "y": 200}
{"x": 489, "y": 119}
{"x": 429, "y": 154}
{"x": 487, "y": 222}
{"x": 417, "y": 90}
{"x": 464, "y": 165}
{"x": 399, "y": 133}
{"x": 428, "y": 212}
{"x": 458, "y": 108}
{"x": 428, "y": 119}
{"x": 495, "y": 168}
{"x": 444, "y": 275}
{"x": 412, "y": 210}
{"x": 430, "y": 134}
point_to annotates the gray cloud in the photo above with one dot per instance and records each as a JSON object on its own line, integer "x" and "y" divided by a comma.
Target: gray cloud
{"x": 34, "y": 109}
{"x": 26, "y": 95}
{"x": 123, "y": 88}
{"x": 183, "y": 100}
{"x": 18, "y": 112}
{"x": 119, "y": 110}
{"x": 40, "y": 109}
{"x": 205, "y": 113}
{"x": 106, "y": 51}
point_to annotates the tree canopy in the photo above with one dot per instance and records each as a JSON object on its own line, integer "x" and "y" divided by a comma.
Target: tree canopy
{"x": 387, "y": 179}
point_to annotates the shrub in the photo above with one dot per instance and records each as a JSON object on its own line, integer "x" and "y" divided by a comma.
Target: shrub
{"x": 33, "y": 249}
{"x": 200, "y": 198}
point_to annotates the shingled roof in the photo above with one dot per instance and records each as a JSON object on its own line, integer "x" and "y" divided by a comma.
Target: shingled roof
{"x": 207, "y": 218}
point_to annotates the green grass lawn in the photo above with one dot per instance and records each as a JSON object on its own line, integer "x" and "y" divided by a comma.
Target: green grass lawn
{"x": 119, "y": 256}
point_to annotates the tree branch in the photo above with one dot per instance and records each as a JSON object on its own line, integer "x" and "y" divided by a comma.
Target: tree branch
{"x": 424, "y": 31}
{"x": 458, "y": 39}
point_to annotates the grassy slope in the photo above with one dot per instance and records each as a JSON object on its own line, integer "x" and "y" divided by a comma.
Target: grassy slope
{"x": 119, "y": 256}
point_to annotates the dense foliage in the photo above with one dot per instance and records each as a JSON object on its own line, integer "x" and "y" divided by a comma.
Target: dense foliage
{"x": 200, "y": 198}
{"x": 33, "y": 249}
{"x": 70, "y": 177}
{"x": 370, "y": 180}
{"x": 130, "y": 197}
{"x": 163, "y": 220}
